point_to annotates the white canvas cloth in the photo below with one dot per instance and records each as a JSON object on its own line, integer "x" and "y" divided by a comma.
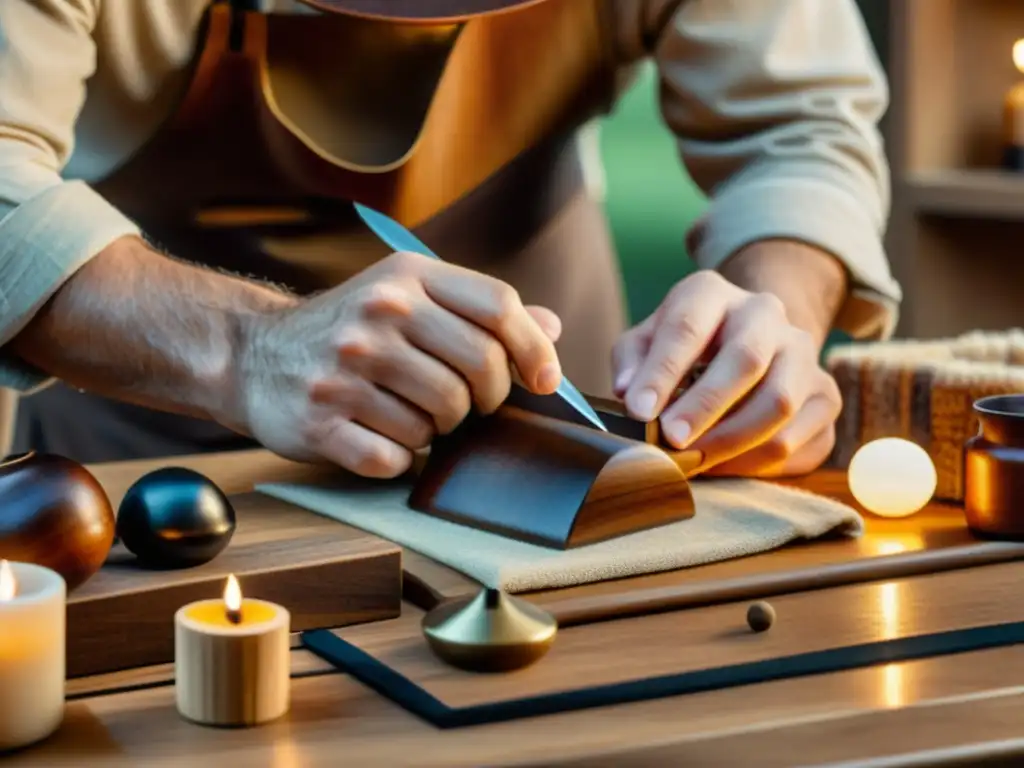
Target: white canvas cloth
{"x": 734, "y": 518}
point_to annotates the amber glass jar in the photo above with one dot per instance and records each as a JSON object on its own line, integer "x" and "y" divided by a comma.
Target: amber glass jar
{"x": 994, "y": 471}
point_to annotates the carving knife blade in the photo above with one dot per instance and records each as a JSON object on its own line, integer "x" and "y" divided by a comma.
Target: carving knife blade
{"x": 398, "y": 238}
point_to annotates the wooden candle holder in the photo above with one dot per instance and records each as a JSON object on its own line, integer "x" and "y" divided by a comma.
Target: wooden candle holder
{"x": 230, "y": 676}
{"x": 550, "y": 481}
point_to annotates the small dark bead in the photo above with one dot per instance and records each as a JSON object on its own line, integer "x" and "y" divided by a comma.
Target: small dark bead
{"x": 760, "y": 616}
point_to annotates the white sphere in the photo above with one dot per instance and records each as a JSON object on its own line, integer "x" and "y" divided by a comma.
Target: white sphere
{"x": 892, "y": 477}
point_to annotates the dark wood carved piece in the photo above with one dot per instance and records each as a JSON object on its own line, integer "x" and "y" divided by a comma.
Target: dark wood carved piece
{"x": 550, "y": 481}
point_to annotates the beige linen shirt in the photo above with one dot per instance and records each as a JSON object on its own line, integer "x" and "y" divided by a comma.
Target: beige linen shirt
{"x": 773, "y": 103}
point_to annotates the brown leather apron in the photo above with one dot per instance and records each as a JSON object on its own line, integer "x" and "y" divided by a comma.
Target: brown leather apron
{"x": 464, "y": 132}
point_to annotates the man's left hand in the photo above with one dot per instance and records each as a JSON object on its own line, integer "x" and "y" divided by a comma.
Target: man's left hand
{"x": 763, "y": 407}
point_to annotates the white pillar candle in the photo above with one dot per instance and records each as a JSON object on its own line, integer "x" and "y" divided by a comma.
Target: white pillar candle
{"x": 232, "y": 661}
{"x": 33, "y": 603}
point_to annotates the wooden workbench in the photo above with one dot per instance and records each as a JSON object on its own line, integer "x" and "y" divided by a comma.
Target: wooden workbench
{"x": 949, "y": 710}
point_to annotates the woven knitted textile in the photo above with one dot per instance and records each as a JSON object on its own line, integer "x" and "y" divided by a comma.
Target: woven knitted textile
{"x": 923, "y": 391}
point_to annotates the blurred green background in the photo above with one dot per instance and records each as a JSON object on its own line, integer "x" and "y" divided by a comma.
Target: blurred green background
{"x": 651, "y": 201}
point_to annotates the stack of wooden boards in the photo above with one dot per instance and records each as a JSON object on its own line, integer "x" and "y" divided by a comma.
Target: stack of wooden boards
{"x": 923, "y": 391}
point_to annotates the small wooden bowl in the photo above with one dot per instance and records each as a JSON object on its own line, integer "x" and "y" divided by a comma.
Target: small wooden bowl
{"x": 54, "y": 513}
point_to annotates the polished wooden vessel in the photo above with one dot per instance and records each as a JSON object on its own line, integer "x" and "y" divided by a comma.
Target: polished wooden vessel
{"x": 994, "y": 469}
{"x": 54, "y": 513}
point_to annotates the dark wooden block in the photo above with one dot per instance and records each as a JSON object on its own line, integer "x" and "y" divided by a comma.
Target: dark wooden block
{"x": 326, "y": 574}
{"x": 550, "y": 481}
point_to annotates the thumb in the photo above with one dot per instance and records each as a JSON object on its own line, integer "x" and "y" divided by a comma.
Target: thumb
{"x": 548, "y": 321}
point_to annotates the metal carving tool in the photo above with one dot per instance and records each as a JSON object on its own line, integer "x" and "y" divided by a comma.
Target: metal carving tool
{"x": 398, "y": 238}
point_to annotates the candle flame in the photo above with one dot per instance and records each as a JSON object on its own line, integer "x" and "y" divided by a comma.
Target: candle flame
{"x": 8, "y": 584}
{"x": 1018, "y": 55}
{"x": 232, "y": 594}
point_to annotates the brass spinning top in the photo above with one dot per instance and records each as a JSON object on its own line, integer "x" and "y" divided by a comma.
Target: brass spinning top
{"x": 491, "y": 632}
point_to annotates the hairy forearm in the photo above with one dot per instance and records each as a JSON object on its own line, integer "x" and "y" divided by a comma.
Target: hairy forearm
{"x": 138, "y": 326}
{"x": 812, "y": 284}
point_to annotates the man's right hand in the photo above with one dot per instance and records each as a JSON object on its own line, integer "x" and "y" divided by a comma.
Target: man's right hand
{"x": 365, "y": 374}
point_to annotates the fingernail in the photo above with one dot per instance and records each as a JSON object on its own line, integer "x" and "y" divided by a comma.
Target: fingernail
{"x": 623, "y": 379}
{"x": 677, "y": 433}
{"x": 549, "y": 377}
{"x": 553, "y": 328}
{"x": 645, "y": 403}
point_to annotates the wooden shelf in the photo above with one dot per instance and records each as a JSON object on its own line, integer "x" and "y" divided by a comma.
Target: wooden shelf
{"x": 990, "y": 194}
{"x": 957, "y": 219}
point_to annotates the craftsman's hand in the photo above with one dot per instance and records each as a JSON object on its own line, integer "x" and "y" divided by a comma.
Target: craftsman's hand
{"x": 763, "y": 406}
{"x": 371, "y": 371}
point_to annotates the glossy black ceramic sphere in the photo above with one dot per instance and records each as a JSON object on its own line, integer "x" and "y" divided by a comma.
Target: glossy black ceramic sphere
{"x": 175, "y": 518}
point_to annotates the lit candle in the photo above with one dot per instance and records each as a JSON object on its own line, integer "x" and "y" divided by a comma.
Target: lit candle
{"x": 232, "y": 660}
{"x": 1014, "y": 116}
{"x": 32, "y": 641}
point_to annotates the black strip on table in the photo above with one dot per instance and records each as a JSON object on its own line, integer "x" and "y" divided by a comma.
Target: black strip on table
{"x": 403, "y": 691}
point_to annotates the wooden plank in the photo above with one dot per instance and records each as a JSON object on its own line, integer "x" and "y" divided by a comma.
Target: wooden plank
{"x": 965, "y": 731}
{"x": 937, "y": 704}
{"x": 704, "y": 638}
{"x": 803, "y": 566}
{"x": 325, "y": 573}
{"x": 815, "y": 722}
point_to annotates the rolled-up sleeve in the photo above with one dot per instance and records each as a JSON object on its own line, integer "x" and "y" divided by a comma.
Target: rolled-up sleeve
{"x": 775, "y": 105}
{"x": 49, "y": 227}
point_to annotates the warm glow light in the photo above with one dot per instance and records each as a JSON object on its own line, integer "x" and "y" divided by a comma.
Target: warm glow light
{"x": 1018, "y": 55}
{"x": 890, "y": 609}
{"x": 890, "y": 548}
{"x": 8, "y": 584}
{"x": 893, "y": 684}
{"x": 892, "y": 477}
{"x": 232, "y": 594}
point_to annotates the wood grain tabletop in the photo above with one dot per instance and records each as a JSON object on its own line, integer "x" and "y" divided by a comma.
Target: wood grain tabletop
{"x": 961, "y": 709}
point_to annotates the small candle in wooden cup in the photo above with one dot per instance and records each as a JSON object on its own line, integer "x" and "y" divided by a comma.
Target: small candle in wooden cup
{"x": 1013, "y": 120}
{"x": 231, "y": 660}
{"x": 32, "y": 643}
